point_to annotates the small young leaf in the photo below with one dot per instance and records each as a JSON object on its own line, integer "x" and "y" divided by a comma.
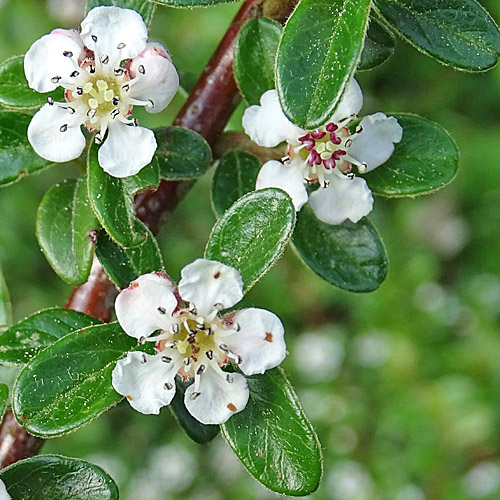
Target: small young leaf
{"x": 124, "y": 265}
{"x": 69, "y": 384}
{"x": 191, "y": 3}
{"x": 350, "y": 256}
{"x": 255, "y": 51}
{"x": 235, "y": 176}
{"x": 182, "y": 154}
{"x": 17, "y": 157}
{"x": 378, "y": 47}
{"x": 144, "y": 7}
{"x": 456, "y": 32}
{"x": 66, "y": 228}
{"x": 425, "y": 160}
{"x": 253, "y": 233}
{"x": 50, "y": 477}
{"x": 273, "y": 438}
{"x": 25, "y": 340}
{"x": 4, "y": 398}
{"x": 5, "y": 305}
{"x": 317, "y": 57}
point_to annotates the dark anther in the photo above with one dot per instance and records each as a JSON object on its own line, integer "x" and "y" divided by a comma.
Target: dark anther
{"x": 151, "y": 102}
{"x": 55, "y": 79}
{"x": 200, "y": 370}
{"x": 74, "y": 74}
{"x": 71, "y": 110}
{"x": 105, "y": 59}
{"x": 141, "y": 70}
{"x": 50, "y": 100}
{"x": 67, "y": 53}
{"x": 229, "y": 378}
{"x": 118, "y": 72}
{"x": 210, "y": 355}
{"x": 168, "y": 386}
{"x": 115, "y": 101}
{"x": 120, "y": 46}
{"x": 94, "y": 38}
{"x": 142, "y": 340}
{"x": 92, "y": 69}
{"x": 125, "y": 87}
{"x": 114, "y": 113}
{"x": 194, "y": 395}
{"x": 143, "y": 359}
{"x": 162, "y": 310}
{"x": 79, "y": 90}
{"x": 166, "y": 359}
{"x": 98, "y": 140}
{"x": 63, "y": 128}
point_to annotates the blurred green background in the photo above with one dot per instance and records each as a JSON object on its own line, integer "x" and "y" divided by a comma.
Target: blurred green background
{"x": 402, "y": 384}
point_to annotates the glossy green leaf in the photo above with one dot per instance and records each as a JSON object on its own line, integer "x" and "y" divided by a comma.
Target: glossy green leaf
{"x": 5, "y": 305}
{"x": 456, "y": 32}
{"x": 50, "y": 477}
{"x": 273, "y": 438}
{"x": 148, "y": 177}
{"x": 124, "y": 265}
{"x": 144, "y": 7}
{"x": 253, "y": 233}
{"x": 4, "y": 399}
{"x": 69, "y": 384}
{"x": 235, "y": 176}
{"x": 182, "y": 153}
{"x": 17, "y": 157}
{"x": 113, "y": 204}
{"x": 66, "y": 228}
{"x": 350, "y": 256}
{"x": 378, "y": 47}
{"x": 255, "y": 51}
{"x": 317, "y": 57}
{"x": 426, "y": 159}
{"x": 191, "y": 3}
{"x": 25, "y": 340}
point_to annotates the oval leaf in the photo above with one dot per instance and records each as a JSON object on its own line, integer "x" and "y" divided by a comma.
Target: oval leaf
{"x": 235, "y": 176}
{"x": 26, "y": 339}
{"x": 144, "y": 7}
{"x": 456, "y": 32}
{"x": 5, "y": 305}
{"x": 426, "y": 159}
{"x": 378, "y": 47}
{"x": 350, "y": 256}
{"x": 253, "y": 233}
{"x": 192, "y": 3}
{"x": 66, "y": 228}
{"x": 50, "y": 477}
{"x": 255, "y": 51}
{"x": 273, "y": 438}
{"x": 317, "y": 57}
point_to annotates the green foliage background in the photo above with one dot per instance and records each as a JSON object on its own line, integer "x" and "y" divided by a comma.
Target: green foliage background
{"x": 403, "y": 383}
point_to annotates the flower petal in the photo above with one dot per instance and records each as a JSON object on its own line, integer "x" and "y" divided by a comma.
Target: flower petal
{"x": 219, "y": 396}
{"x": 45, "y": 65}
{"x": 286, "y": 177}
{"x": 206, "y": 283}
{"x": 55, "y": 134}
{"x": 159, "y": 81}
{"x": 126, "y": 149}
{"x": 146, "y": 305}
{"x": 375, "y": 144}
{"x": 343, "y": 199}
{"x": 267, "y": 125}
{"x": 3, "y": 492}
{"x": 145, "y": 380}
{"x": 118, "y": 33}
{"x": 351, "y": 102}
{"x": 260, "y": 341}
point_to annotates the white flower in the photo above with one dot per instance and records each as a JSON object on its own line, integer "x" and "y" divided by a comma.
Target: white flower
{"x": 3, "y": 492}
{"x": 325, "y": 155}
{"x": 105, "y": 70}
{"x": 194, "y": 341}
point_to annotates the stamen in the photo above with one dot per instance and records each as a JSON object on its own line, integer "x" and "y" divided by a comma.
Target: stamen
{"x": 224, "y": 348}
{"x": 94, "y": 38}
{"x": 151, "y": 103}
{"x": 362, "y": 168}
{"x": 175, "y": 328}
{"x": 98, "y": 140}
{"x": 50, "y": 100}
{"x": 210, "y": 355}
{"x": 141, "y": 69}
{"x": 143, "y": 359}
{"x": 71, "y": 110}
{"x": 120, "y": 46}
{"x": 350, "y": 176}
{"x": 125, "y": 87}
{"x": 229, "y": 378}
{"x": 64, "y": 127}
{"x": 105, "y": 59}
{"x": 194, "y": 395}
{"x": 166, "y": 359}
{"x": 55, "y": 79}
{"x": 118, "y": 71}
{"x": 74, "y": 74}
{"x": 67, "y": 53}
{"x": 200, "y": 370}
{"x": 162, "y": 310}
{"x": 142, "y": 340}
{"x": 168, "y": 386}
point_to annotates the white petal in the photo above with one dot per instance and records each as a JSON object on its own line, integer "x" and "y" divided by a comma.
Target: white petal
{"x": 286, "y": 177}
{"x": 114, "y": 27}
{"x": 126, "y": 149}
{"x": 45, "y": 60}
{"x": 55, "y": 134}
{"x": 267, "y": 125}
{"x": 342, "y": 199}
{"x": 142, "y": 379}
{"x": 217, "y": 398}
{"x": 374, "y": 145}
{"x": 160, "y": 80}
{"x": 260, "y": 341}
{"x": 146, "y": 305}
{"x": 207, "y": 282}
{"x": 3, "y": 492}
{"x": 351, "y": 102}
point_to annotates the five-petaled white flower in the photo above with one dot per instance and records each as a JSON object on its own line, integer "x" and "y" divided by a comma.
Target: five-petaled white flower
{"x": 325, "y": 155}
{"x": 105, "y": 70}
{"x": 194, "y": 341}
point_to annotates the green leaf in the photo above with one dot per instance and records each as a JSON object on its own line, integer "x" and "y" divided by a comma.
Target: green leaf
{"x": 456, "y": 32}
{"x": 273, "y": 438}
{"x": 4, "y": 398}
{"x": 17, "y": 157}
{"x": 25, "y": 340}
{"x": 144, "y": 7}
{"x": 66, "y": 228}
{"x": 378, "y": 47}
{"x": 255, "y": 52}
{"x": 69, "y": 384}
{"x": 426, "y": 159}
{"x": 317, "y": 57}
{"x": 148, "y": 177}
{"x": 182, "y": 153}
{"x": 192, "y": 3}
{"x": 235, "y": 176}
{"x": 198, "y": 432}
{"x": 124, "y": 265}
{"x": 253, "y": 233}
{"x": 113, "y": 204}
{"x": 5, "y": 305}
{"x": 50, "y": 477}
{"x": 14, "y": 89}
{"x": 350, "y": 256}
